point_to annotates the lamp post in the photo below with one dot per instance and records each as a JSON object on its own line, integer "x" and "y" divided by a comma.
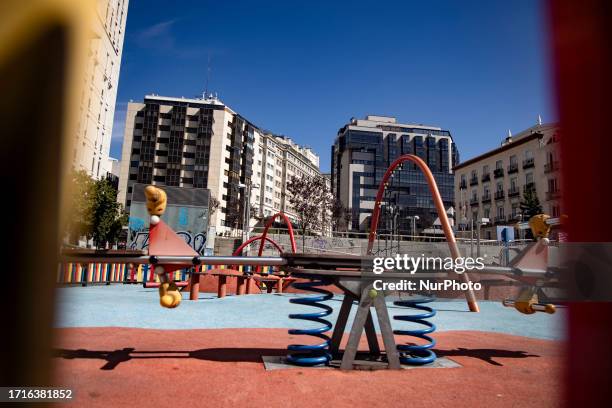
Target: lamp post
{"x": 413, "y": 219}
{"x": 246, "y": 214}
{"x": 479, "y": 223}
{"x": 520, "y": 218}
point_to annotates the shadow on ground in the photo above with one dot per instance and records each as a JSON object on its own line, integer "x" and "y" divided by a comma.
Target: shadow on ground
{"x": 249, "y": 355}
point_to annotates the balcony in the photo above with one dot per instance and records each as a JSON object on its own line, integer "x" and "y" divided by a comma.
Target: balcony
{"x": 500, "y": 219}
{"x": 486, "y": 177}
{"x": 474, "y": 201}
{"x": 499, "y": 195}
{"x": 513, "y": 168}
{"x": 529, "y": 187}
{"x": 462, "y": 185}
{"x": 553, "y": 195}
{"x": 527, "y": 163}
{"x": 551, "y": 166}
{"x": 513, "y": 192}
{"x": 514, "y": 217}
{"x": 497, "y": 173}
{"x": 474, "y": 181}
{"x": 486, "y": 198}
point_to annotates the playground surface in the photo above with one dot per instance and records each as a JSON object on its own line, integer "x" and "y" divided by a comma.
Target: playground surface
{"x": 115, "y": 346}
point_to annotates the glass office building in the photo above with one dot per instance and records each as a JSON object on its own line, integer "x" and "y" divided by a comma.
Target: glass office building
{"x": 362, "y": 152}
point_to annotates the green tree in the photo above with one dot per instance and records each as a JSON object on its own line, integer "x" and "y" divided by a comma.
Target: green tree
{"x": 530, "y": 204}
{"x": 108, "y": 215}
{"x": 95, "y": 213}
{"x": 80, "y": 218}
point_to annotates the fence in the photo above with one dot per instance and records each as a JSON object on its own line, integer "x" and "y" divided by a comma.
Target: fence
{"x": 107, "y": 273}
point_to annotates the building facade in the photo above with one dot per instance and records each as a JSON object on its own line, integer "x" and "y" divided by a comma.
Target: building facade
{"x": 202, "y": 143}
{"x": 362, "y": 152}
{"x": 278, "y": 160}
{"x": 97, "y": 104}
{"x": 493, "y": 184}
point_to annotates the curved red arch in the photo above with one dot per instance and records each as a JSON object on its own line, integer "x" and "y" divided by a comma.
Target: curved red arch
{"x": 238, "y": 250}
{"x": 433, "y": 188}
{"x": 269, "y": 224}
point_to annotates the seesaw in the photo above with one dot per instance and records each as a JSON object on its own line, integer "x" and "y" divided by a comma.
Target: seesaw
{"x": 169, "y": 252}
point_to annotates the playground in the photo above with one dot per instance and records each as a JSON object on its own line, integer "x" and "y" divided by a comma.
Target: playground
{"x": 115, "y": 346}
{"x": 298, "y": 329}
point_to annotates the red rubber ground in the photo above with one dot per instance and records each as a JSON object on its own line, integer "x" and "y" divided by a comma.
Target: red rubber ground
{"x": 212, "y": 368}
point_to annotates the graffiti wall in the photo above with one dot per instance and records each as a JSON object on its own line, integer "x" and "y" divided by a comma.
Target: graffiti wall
{"x": 191, "y": 223}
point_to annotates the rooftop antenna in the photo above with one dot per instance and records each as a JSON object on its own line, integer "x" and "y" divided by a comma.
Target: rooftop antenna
{"x": 540, "y": 120}
{"x": 509, "y": 133}
{"x": 207, "y": 76}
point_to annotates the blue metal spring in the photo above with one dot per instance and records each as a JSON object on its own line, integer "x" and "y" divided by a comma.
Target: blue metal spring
{"x": 316, "y": 354}
{"x": 414, "y": 354}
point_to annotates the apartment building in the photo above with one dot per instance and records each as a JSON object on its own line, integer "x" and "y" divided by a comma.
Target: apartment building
{"x": 196, "y": 143}
{"x": 493, "y": 184}
{"x": 362, "y": 152}
{"x": 278, "y": 159}
{"x": 202, "y": 143}
{"x": 97, "y": 104}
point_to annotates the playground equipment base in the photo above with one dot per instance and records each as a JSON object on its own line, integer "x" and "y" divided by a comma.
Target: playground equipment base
{"x": 362, "y": 362}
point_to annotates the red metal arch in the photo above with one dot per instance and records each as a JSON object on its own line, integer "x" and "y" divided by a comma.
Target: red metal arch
{"x": 238, "y": 251}
{"x": 433, "y": 188}
{"x": 269, "y": 224}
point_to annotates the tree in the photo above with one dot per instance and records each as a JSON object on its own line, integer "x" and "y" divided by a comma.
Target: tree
{"x": 530, "y": 205}
{"x": 340, "y": 216}
{"x": 80, "y": 218}
{"x": 311, "y": 199}
{"x": 108, "y": 215}
{"x": 213, "y": 205}
{"x": 95, "y": 213}
{"x": 255, "y": 214}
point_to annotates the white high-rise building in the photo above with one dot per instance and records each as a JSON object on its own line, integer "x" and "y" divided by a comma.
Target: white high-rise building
{"x": 203, "y": 143}
{"x": 97, "y": 105}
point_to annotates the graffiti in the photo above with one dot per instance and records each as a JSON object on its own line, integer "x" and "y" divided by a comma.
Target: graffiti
{"x": 136, "y": 224}
{"x": 319, "y": 243}
{"x": 140, "y": 240}
{"x": 197, "y": 241}
{"x": 182, "y": 217}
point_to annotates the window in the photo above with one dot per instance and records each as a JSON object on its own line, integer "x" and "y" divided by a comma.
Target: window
{"x": 499, "y": 164}
{"x": 528, "y": 178}
{"x": 552, "y": 185}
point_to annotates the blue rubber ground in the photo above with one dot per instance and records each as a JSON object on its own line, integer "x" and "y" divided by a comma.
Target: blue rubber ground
{"x": 135, "y": 306}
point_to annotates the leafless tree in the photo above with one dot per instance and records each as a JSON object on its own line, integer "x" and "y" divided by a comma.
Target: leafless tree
{"x": 311, "y": 199}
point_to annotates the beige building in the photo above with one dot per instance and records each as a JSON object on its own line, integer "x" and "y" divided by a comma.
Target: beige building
{"x": 202, "y": 143}
{"x": 277, "y": 160}
{"x": 493, "y": 184}
{"x": 97, "y": 105}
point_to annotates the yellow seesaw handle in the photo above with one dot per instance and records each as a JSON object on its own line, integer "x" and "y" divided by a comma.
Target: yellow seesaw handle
{"x": 169, "y": 295}
{"x": 530, "y": 307}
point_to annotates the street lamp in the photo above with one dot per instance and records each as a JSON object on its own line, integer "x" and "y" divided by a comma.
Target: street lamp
{"x": 482, "y": 221}
{"x": 246, "y": 214}
{"x": 413, "y": 219}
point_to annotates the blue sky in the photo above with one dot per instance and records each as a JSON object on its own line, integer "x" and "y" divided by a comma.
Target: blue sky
{"x": 303, "y": 69}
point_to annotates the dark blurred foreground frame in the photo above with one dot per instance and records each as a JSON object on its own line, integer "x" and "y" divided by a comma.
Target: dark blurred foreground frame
{"x": 43, "y": 45}
{"x": 582, "y": 54}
